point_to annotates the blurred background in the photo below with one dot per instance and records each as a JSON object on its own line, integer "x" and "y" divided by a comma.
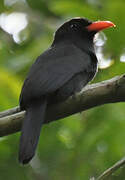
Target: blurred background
{"x": 80, "y": 146}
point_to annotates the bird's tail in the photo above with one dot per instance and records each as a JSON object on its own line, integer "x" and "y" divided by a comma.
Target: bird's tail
{"x": 32, "y": 124}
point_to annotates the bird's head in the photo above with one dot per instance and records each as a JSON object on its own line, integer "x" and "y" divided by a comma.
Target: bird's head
{"x": 80, "y": 28}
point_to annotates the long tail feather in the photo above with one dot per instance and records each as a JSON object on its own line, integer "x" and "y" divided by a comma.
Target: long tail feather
{"x": 31, "y": 128}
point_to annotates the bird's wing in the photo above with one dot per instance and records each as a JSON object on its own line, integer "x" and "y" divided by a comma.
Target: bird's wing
{"x": 53, "y": 69}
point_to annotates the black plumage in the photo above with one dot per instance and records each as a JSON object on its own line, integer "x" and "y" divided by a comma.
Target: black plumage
{"x": 61, "y": 71}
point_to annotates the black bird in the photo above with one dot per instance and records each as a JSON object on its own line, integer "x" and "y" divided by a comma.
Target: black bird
{"x": 61, "y": 71}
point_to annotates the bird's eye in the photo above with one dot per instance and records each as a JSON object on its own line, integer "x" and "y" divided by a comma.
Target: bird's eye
{"x": 73, "y": 26}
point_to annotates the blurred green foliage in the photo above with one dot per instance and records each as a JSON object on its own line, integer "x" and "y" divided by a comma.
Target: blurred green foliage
{"x": 79, "y": 146}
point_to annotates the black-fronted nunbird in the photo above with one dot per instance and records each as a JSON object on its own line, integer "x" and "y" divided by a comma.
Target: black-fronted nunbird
{"x": 61, "y": 71}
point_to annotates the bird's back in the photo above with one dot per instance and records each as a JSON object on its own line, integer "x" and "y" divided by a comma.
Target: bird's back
{"x": 54, "y": 69}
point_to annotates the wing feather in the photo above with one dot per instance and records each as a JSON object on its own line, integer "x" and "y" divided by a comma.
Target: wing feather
{"x": 53, "y": 69}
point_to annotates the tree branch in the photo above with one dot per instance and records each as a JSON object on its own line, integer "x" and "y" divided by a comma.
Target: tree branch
{"x": 109, "y": 91}
{"x": 110, "y": 170}
{"x": 10, "y": 112}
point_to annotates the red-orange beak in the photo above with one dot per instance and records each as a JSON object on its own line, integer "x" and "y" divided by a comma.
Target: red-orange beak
{"x": 100, "y": 25}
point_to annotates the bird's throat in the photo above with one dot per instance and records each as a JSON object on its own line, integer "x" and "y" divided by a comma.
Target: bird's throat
{"x": 85, "y": 44}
